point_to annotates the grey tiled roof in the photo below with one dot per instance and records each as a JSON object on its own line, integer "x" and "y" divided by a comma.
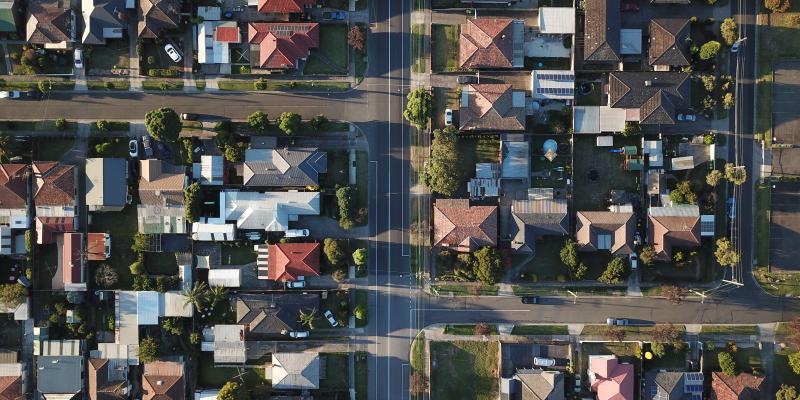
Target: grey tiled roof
{"x": 601, "y": 27}
{"x": 269, "y": 314}
{"x": 656, "y": 94}
{"x": 106, "y": 14}
{"x": 284, "y": 167}
{"x": 536, "y": 218}
{"x": 59, "y": 374}
{"x": 668, "y": 42}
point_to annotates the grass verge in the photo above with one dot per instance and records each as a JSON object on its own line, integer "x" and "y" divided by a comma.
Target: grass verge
{"x": 540, "y": 330}
{"x": 729, "y": 330}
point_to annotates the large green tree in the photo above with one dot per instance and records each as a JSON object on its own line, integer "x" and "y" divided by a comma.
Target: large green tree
{"x": 289, "y": 122}
{"x": 418, "y": 107}
{"x": 787, "y": 392}
{"x": 487, "y": 265}
{"x": 191, "y": 201}
{"x": 726, "y": 363}
{"x": 728, "y": 31}
{"x": 258, "y": 121}
{"x": 442, "y": 174}
{"x": 614, "y": 272}
{"x": 164, "y": 124}
{"x": 725, "y": 254}
{"x": 736, "y": 175}
{"x": 148, "y": 350}
{"x": 334, "y": 251}
{"x": 683, "y": 194}
{"x": 709, "y": 50}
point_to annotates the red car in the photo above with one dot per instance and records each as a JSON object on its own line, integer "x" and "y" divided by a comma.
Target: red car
{"x": 631, "y": 7}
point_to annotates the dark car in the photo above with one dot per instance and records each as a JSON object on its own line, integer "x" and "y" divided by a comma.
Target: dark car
{"x": 148, "y": 149}
{"x": 33, "y": 94}
{"x": 530, "y": 300}
{"x": 630, "y": 7}
{"x": 464, "y": 79}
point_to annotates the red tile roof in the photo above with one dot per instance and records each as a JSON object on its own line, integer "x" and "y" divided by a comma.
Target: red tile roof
{"x": 667, "y": 232}
{"x": 613, "y": 381}
{"x": 11, "y": 388}
{"x": 282, "y": 44}
{"x": 460, "y": 227}
{"x": 96, "y": 246}
{"x": 54, "y": 184}
{"x": 71, "y": 258}
{"x": 739, "y": 387}
{"x": 287, "y": 261}
{"x": 284, "y": 6}
{"x": 13, "y": 186}
{"x": 47, "y": 227}
{"x": 486, "y": 43}
{"x": 163, "y": 380}
{"x": 227, "y": 34}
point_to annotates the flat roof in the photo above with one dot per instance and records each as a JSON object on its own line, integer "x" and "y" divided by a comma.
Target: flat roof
{"x": 557, "y": 20}
{"x": 147, "y": 307}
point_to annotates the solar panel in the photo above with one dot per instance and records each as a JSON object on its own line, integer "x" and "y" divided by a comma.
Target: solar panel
{"x": 556, "y": 77}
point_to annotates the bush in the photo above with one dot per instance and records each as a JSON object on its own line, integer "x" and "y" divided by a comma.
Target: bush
{"x": 258, "y": 121}
{"x": 360, "y": 312}
{"x": 647, "y": 255}
{"x": 339, "y": 275}
{"x": 102, "y": 125}
{"x": 106, "y": 276}
{"x": 360, "y": 256}
{"x": 482, "y": 329}
{"x": 683, "y": 194}
{"x": 61, "y": 124}
{"x": 260, "y": 84}
{"x": 191, "y": 200}
{"x": 488, "y": 265}
{"x": 713, "y": 178}
{"x": 777, "y": 6}
{"x": 151, "y": 60}
{"x": 418, "y": 107}
{"x": 344, "y": 197}
{"x": 728, "y": 101}
{"x": 728, "y": 30}
{"x": 109, "y": 85}
{"x": 708, "y": 139}
{"x": 148, "y": 350}
{"x": 613, "y": 273}
{"x": 709, "y": 50}
{"x": 289, "y": 122}
{"x": 318, "y": 123}
{"x": 569, "y": 253}
{"x": 137, "y": 268}
{"x": 726, "y": 363}
{"x": 334, "y": 251}
{"x": 709, "y": 82}
{"x": 631, "y": 128}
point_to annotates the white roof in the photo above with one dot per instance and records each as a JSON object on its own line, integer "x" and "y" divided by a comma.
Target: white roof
{"x": 127, "y": 353}
{"x": 209, "y": 171}
{"x": 605, "y": 141}
{"x": 654, "y": 151}
{"x": 682, "y": 163}
{"x": 557, "y": 20}
{"x": 11, "y": 369}
{"x": 147, "y": 307}
{"x": 553, "y": 84}
{"x": 205, "y": 232}
{"x": 57, "y": 348}
{"x": 630, "y": 41}
{"x": 206, "y": 395}
{"x": 515, "y": 157}
{"x": 174, "y": 305}
{"x": 209, "y": 50}
{"x": 209, "y": 13}
{"x": 224, "y": 277}
{"x": 203, "y": 262}
{"x": 229, "y": 346}
{"x": 597, "y": 119}
{"x": 270, "y": 211}
{"x": 127, "y": 324}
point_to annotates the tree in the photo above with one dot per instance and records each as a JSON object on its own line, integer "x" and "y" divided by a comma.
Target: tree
{"x": 442, "y": 174}
{"x": 173, "y": 326}
{"x": 141, "y": 242}
{"x": 106, "y": 276}
{"x": 235, "y": 152}
{"x": 674, "y": 294}
{"x": 61, "y": 124}
{"x": 289, "y": 122}
{"x": 709, "y": 49}
{"x": 333, "y": 251}
{"x": 482, "y": 329}
{"x": 736, "y": 175}
{"x": 230, "y": 391}
{"x": 102, "y": 125}
{"x": 258, "y": 121}
{"x": 344, "y": 197}
{"x": 667, "y": 333}
{"x": 728, "y": 101}
{"x": 487, "y": 265}
{"x": 191, "y": 201}
{"x": 12, "y": 294}
{"x": 726, "y": 363}
{"x": 360, "y": 312}
{"x": 613, "y": 273}
{"x": 163, "y": 124}
{"x": 709, "y": 82}
{"x": 360, "y": 256}
{"x": 355, "y": 38}
{"x": 308, "y": 318}
{"x": 136, "y": 267}
{"x": 196, "y": 295}
{"x": 615, "y": 333}
{"x": 318, "y": 123}
{"x": 631, "y": 128}
{"x": 725, "y": 254}
{"x": 142, "y": 282}
{"x": 794, "y": 362}
{"x": 728, "y": 31}
{"x": 148, "y": 350}
{"x": 658, "y": 349}
{"x": 569, "y": 254}
{"x": 418, "y": 107}
{"x": 647, "y": 255}
{"x": 43, "y": 86}
{"x": 777, "y": 6}
{"x": 260, "y": 84}
{"x": 787, "y": 392}
{"x": 709, "y": 103}
{"x": 683, "y": 194}
{"x": 579, "y": 272}
{"x": 216, "y": 294}
{"x": 713, "y": 178}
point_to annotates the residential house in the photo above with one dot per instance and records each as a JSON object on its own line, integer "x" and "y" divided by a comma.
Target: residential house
{"x": 649, "y": 97}
{"x": 210, "y": 171}
{"x": 553, "y": 85}
{"x": 144, "y": 308}
{"x": 98, "y": 246}
{"x": 291, "y": 261}
{"x": 284, "y": 167}
{"x": 13, "y": 208}
{"x": 50, "y": 23}
{"x": 157, "y": 16}
{"x": 11, "y": 380}
{"x": 9, "y": 16}
{"x": 283, "y": 6}
{"x": 461, "y": 227}
{"x": 606, "y": 230}
{"x": 669, "y": 43}
{"x": 673, "y": 227}
{"x": 281, "y": 45}
{"x": 515, "y": 160}
{"x": 295, "y": 371}
{"x": 54, "y": 190}
{"x": 269, "y": 211}
{"x": 107, "y": 380}
{"x": 672, "y": 385}
{"x": 103, "y": 20}
{"x": 48, "y": 228}
{"x": 161, "y": 196}
{"x": 163, "y": 380}
{"x": 740, "y": 387}
{"x": 216, "y": 37}
{"x": 106, "y": 184}
{"x": 602, "y": 31}
{"x": 269, "y": 315}
{"x": 72, "y": 263}
{"x": 59, "y": 377}
{"x": 492, "y": 106}
{"x": 227, "y": 342}
{"x": 535, "y": 218}
{"x": 610, "y": 379}
{"x": 491, "y": 43}
{"x": 557, "y": 20}
{"x": 537, "y": 384}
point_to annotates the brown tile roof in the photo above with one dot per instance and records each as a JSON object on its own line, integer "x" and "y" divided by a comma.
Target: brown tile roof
{"x": 50, "y": 22}
{"x": 11, "y": 388}
{"x": 666, "y": 232}
{"x": 54, "y": 184}
{"x": 163, "y": 380}
{"x": 96, "y": 246}
{"x": 594, "y": 225}
{"x": 656, "y": 94}
{"x": 161, "y": 183}
{"x": 668, "y": 42}
{"x": 461, "y": 227}
{"x": 155, "y": 16}
{"x": 287, "y": 261}
{"x": 486, "y": 43}
{"x": 601, "y": 27}
{"x": 491, "y": 107}
{"x": 282, "y": 44}
{"x": 71, "y": 263}
{"x": 227, "y": 34}
{"x": 47, "y": 227}
{"x": 100, "y": 388}
{"x": 284, "y": 6}
{"x": 13, "y": 186}
{"x": 739, "y": 387}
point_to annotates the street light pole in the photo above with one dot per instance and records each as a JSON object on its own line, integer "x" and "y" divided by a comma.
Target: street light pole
{"x": 574, "y": 296}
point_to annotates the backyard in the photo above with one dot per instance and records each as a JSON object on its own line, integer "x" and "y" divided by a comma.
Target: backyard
{"x": 444, "y": 48}
{"x": 160, "y": 263}
{"x": 332, "y": 56}
{"x": 747, "y": 359}
{"x": 46, "y": 265}
{"x": 464, "y": 370}
{"x": 212, "y": 377}
{"x": 546, "y": 173}
{"x": 239, "y": 253}
{"x": 122, "y": 226}
{"x": 594, "y": 177}
{"x": 472, "y": 150}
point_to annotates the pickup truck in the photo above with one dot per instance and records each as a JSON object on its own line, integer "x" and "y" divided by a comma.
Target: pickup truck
{"x": 334, "y": 15}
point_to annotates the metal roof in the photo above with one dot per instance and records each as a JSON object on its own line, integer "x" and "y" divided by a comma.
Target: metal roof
{"x": 225, "y": 277}
{"x": 147, "y": 306}
{"x": 557, "y": 20}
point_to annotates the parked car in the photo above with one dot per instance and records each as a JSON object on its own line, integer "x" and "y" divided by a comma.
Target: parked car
{"x": 78, "y": 58}
{"x": 331, "y": 319}
{"x": 133, "y": 148}
{"x": 334, "y": 15}
{"x": 9, "y": 94}
{"x": 731, "y": 208}
{"x": 629, "y": 7}
{"x": 464, "y": 79}
{"x": 148, "y": 149}
{"x": 577, "y": 384}
{"x": 543, "y": 362}
{"x": 189, "y": 117}
{"x": 530, "y": 300}
{"x": 253, "y": 236}
{"x": 227, "y": 15}
{"x": 448, "y": 116}
{"x": 173, "y": 53}
{"x": 300, "y": 283}
{"x": 688, "y": 117}
{"x": 735, "y": 47}
{"x": 617, "y": 321}
{"x": 33, "y": 94}
{"x": 290, "y": 233}
{"x": 634, "y": 260}
{"x": 299, "y": 334}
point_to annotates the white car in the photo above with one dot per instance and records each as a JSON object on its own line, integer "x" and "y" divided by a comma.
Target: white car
{"x": 735, "y": 47}
{"x": 329, "y": 316}
{"x": 133, "y": 148}
{"x": 172, "y": 53}
{"x": 448, "y": 116}
{"x": 634, "y": 260}
{"x": 299, "y": 334}
{"x": 78, "y": 58}
{"x": 290, "y": 233}
{"x": 12, "y": 94}
{"x": 300, "y": 283}
{"x": 253, "y": 236}
{"x": 543, "y": 362}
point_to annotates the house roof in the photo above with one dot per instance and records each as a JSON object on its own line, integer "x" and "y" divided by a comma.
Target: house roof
{"x": 47, "y": 227}
{"x": 492, "y": 106}
{"x": 59, "y": 374}
{"x": 541, "y": 385}
{"x": 612, "y": 380}
{"x": 656, "y": 94}
{"x": 270, "y": 211}
{"x": 96, "y": 246}
{"x": 295, "y": 370}
{"x": 99, "y": 15}
{"x": 54, "y": 184}
{"x": 283, "y": 167}
{"x": 668, "y": 42}
{"x": 282, "y": 44}
{"x": 284, "y": 6}
{"x": 486, "y": 43}
{"x": 155, "y": 16}
{"x": 105, "y": 182}
{"x": 462, "y": 227}
{"x": 740, "y": 387}
{"x": 163, "y": 380}
{"x": 605, "y": 230}
{"x": 677, "y": 226}
{"x": 536, "y": 218}
{"x": 161, "y": 184}
{"x": 100, "y": 387}
{"x": 71, "y": 260}
{"x": 601, "y": 31}
{"x": 227, "y": 34}
{"x": 288, "y": 261}
{"x": 269, "y": 314}
{"x": 47, "y": 22}
{"x": 229, "y": 344}
{"x": 673, "y": 385}
{"x": 13, "y": 186}
{"x": 11, "y": 388}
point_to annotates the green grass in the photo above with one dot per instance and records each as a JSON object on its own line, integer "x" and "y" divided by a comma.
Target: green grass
{"x": 48, "y": 125}
{"x": 51, "y": 149}
{"x": 27, "y": 85}
{"x": 592, "y": 195}
{"x": 418, "y": 48}
{"x": 337, "y": 369}
{"x": 162, "y": 84}
{"x": 520, "y": 290}
{"x": 360, "y": 59}
{"x": 763, "y": 206}
{"x": 238, "y": 255}
{"x": 362, "y": 181}
{"x": 783, "y": 329}
{"x": 633, "y": 332}
{"x": 160, "y": 263}
{"x": 122, "y": 226}
{"x": 116, "y": 84}
{"x": 464, "y": 290}
{"x": 212, "y": 377}
{"x": 285, "y": 86}
{"x": 471, "y": 151}
{"x": 673, "y": 359}
{"x": 467, "y": 330}
{"x": 547, "y": 265}
{"x": 362, "y": 375}
{"x": 464, "y": 370}
{"x": 118, "y": 147}
{"x": 729, "y": 330}
{"x": 362, "y": 298}
{"x": 331, "y": 58}
{"x": 444, "y": 47}
{"x": 747, "y": 359}
{"x": 778, "y": 283}
{"x": 106, "y": 57}
{"x": 540, "y": 330}
{"x": 337, "y": 169}
{"x": 417, "y": 359}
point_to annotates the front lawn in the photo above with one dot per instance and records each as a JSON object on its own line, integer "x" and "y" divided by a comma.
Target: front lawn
{"x": 337, "y": 370}
{"x": 778, "y": 283}
{"x": 747, "y": 359}
{"x": 464, "y": 370}
{"x": 282, "y": 85}
{"x": 117, "y": 147}
{"x": 213, "y": 377}
{"x": 418, "y": 48}
{"x": 540, "y": 330}
{"x": 763, "y": 207}
{"x": 547, "y": 265}
{"x": 362, "y": 375}
{"x": 162, "y": 84}
{"x": 112, "y": 55}
{"x": 338, "y": 301}
{"x": 108, "y": 84}
{"x": 444, "y": 98}
{"x": 748, "y": 330}
{"x": 777, "y": 39}
{"x": 444, "y": 47}
{"x": 122, "y": 226}
{"x": 332, "y": 56}
{"x": 467, "y": 330}
{"x": 51, "y": 149}
{"x": 238, "y": 255}
{"x": 362, "y": 299}
{"x": 464, "y": 290}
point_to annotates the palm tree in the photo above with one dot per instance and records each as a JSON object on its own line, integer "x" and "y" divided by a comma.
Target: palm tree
{"x": 196, "y": 295}
{"x": 308, "y": 319}
{"x": 217, "y": 294}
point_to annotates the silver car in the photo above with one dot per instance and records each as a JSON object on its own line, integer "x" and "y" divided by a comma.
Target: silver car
{"x": 331, "y": 319}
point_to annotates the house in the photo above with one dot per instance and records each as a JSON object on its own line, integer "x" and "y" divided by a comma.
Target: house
{"x": 59, "y": 377}
{"x": 98, "y": 246}
{"x": 281, "y": 45}
{"x": 533, "y": 219}
{"x": 291, "y": 261}
{"x": 107, "y": 380}
{"x": 14, "y": 195}
{"x": 553, "y": 85}
{"x": 106, "y": 184}
{"x": 269, "y": 315}
{"x": 649, "y": 97}
{"x": 602, "y": 31}
{"x": 216, "y": 38}
{"x": 209, "y": 171}
{"x": 461, "y": 227}
{"x": 54, "y": 189}
{"x": 606, "y": 230}
{"x": 119, "y": 356}
{"x": 9, "y": 15}
{"x": 11, "y": 380}
{"x": 157, "y": 16}
{"x": 284, "y": 167}
{"x": 671, "y": 385}
{"x": 610, "y": 379}
{"x": 537, "y": 384}
{"x": 492, "y": 106}
{"x": 50, "y": 23}
{"x": 269, "y": 211}
{"x": 227, "y": 342}
{"x": 295, "y": 371}
{"x": 103, "y": 20}
{"x": 161, "y": 196}
{"x": 597, "y": 119}
{"x": 491, "y": 43}
{"x": 670, "y": 227}
{"x": 740, "y": 387}
{"x": 72, "y": 263}
{"x": 669, "y": 43}
{"x": 163, "y": 380}
{"x": 284, "y": 6}
{"x": 47, "y": 228}
{"x": 144, "y": 308}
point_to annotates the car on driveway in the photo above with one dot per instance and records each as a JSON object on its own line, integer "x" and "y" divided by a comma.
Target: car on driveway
{"x": 10, "y": 94}
{"x": 634, "y": 261}
{"x": 173, "y": 53}
{"x": 292, "y": 233}
{"x": 448, "y": 116}
{"x": 148, "y": 148}
{"x": 530, "y": 300}
{"x": 78, "y": 58}
{"x": 300, "y": 283}
{"x": 299, "y": 334}
{"x": 133, "y": 148}
{"x": 331, "y": 319}
{"x": 687, "y": 117}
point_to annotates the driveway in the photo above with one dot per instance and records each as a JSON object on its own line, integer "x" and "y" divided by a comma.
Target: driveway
{"x": 321, "y": 227}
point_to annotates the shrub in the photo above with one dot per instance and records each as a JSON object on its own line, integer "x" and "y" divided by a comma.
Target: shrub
{"x": 683, "y": 194}
{"x": 728, "y": 101}
{"x": 102, "y": 125}
{"x": 334, "y": 251}
{"x": 569, "y": 253}
{"x": 709, "y": 82}
{"x": 339, "y": 275}
{"x": 482, "y": 329}
{"x": 258, "y": 121}
{"x": 137, "y": 268}
{"x": 109, "y": 85}
{"x": 709, "y": 50}
{"x": 726, "y": 363}
{"x": 613, "y": 273}
{"x": 647, "y": 255}
{"x": 151, "y": 60}
{"x": 260, "y": 84}
{"x": 148, "y": 350}
{"x": 61, "y": 124}
{"x": 713, "y": 178}
{"x": 728, "y": 30}
{"x": 708, "y": 139}
{"x": 289, "y": 122}
{"x": 777, "y": 6}
{"x": 487, "y": 266}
